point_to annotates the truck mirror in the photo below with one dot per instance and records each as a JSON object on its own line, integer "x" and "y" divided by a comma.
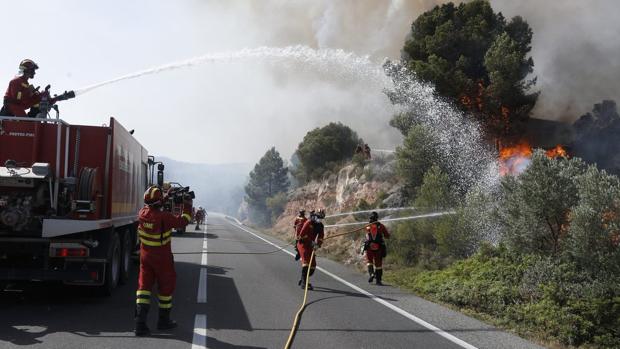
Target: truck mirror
{"x": 160, "y": 167}
{"x": 160, "y": 178}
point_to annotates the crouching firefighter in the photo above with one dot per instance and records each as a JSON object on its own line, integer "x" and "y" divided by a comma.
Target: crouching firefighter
{"x": 375, "y": 248}
{"x": 156, "y": 260}
{"x": 297, "y": 225}
{"x": 309, "y": 238}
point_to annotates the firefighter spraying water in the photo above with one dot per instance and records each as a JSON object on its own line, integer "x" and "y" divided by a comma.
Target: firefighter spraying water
{"x": 21, "y": 95}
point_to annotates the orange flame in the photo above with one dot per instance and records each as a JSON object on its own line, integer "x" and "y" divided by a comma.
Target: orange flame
{"x": 514, "y": 160}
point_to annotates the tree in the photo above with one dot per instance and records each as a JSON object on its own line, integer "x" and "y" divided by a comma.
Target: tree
{"x": 324, "y": 149}
{"x": 596, "y": 136}
{"x": 477, "y": 59}
{"x": 416, "y": 156}
{"x": 534, "y": 212}
{"x": 268, "y": 179}
{"x": 594, "y": 233}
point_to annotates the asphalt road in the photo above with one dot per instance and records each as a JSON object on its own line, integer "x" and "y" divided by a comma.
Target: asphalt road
{"x": 242, "y": 301}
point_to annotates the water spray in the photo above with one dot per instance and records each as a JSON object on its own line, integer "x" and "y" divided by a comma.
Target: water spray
{"x": 428, "y": 215}
{"x": 374, "y": 210}
{"x": 321, "y": 59}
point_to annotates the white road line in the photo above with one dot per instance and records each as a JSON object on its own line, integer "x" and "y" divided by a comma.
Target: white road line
{"x": 200, "y": 332}
{"x": 402, "y": 312}
{"x": 202, "y": 281}
{"x": 202, "y": 287}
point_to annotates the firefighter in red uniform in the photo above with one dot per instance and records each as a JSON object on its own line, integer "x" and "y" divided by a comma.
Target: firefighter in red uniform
{"x": 156, "y": 260}
{"x": 20, "y": 95}
{"x": 297, "y": 225}
{"x": 375, "y": 248}
{"x": 309, "y": 238}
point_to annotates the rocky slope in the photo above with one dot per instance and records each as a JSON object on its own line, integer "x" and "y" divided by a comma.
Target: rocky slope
{"x": 353, "y": 188}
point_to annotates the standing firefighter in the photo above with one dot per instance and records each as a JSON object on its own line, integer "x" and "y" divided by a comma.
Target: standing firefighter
{"x": 375, "y": 248}
{"x": 156, "y": 260}
{"x": 297, "y": 225}
{"x": 309, "y": 238}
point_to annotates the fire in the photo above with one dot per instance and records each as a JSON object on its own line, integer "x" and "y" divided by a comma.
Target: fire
{"x": 514, "y": 160}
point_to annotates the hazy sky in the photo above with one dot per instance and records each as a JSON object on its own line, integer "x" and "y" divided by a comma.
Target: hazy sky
{"x": 235, "y": 111}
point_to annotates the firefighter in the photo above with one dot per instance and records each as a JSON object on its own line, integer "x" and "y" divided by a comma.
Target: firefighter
{"x": 297, "y": 225}
{"x": 375, "y": 248}
{"x": 156, "y": 260}
{"x": 200, "y": 216}
{"x": 21, "y": 95}
{"x": 309, "y": 238}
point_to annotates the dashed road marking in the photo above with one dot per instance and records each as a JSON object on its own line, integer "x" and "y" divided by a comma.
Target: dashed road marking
{"x": 200, "y": 332}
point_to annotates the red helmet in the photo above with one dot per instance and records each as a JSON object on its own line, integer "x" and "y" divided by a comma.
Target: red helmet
{"x": 153, "y": 195}
{"x": 28, "y": 64}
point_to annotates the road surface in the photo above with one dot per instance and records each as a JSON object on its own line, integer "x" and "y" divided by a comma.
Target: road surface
{"x": 241, "y": 301}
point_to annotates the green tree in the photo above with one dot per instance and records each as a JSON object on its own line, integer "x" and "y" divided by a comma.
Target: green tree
{"x": 478, "y": 60}
{"x": 594, "y": 233}
{"x": 268, "y": 179}
{"x": 534, "y": 213}
{"x": 416, "y": 156}
{"x": 324, "y": 149}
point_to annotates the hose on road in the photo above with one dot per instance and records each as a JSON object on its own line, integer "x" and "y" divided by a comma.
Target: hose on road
{"x": 291, "y": 335}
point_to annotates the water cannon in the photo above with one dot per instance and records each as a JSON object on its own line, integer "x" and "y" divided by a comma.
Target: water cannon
{"x": 64, "y": 96}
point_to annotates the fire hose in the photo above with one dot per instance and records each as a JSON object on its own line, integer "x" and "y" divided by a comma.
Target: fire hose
{"x": 291, "y": 335}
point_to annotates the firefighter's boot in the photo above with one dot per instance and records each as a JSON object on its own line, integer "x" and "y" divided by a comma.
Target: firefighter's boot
{"x": 165, "y": 322}
{"x": 378, "y": 275}
{"x": 371, "y": 273}
{"x": 141, "y": 329}
{"x": 302, "y": 281}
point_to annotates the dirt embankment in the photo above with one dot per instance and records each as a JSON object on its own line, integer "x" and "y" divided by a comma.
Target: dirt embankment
{"x": 351, "y": 189}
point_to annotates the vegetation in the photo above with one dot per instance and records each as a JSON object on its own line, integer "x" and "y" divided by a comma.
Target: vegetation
{"x": 596, "y": 136}
{"x": 324, "y": 150}
{"x": 476, "y": 58}
{"x": 266, "y": 187}
{"x": 556, "y": 270}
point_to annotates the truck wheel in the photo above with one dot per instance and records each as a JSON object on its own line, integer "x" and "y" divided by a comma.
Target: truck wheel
{"x": 112, "y": 268}
{"x": 125, "y": 257}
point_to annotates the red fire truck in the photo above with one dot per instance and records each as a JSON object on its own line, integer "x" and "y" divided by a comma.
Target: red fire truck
{"x": 69, "y": 197}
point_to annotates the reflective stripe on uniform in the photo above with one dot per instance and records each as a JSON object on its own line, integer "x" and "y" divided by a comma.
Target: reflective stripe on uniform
{"x": 19, "y": 95}
{"x": 143, "y": 297}
{"x": 165, "y": 302}
{"x": 155, "y": 243}
{"x": 154, "y": 236}
{"x": 187, "y": 217}
{"x": 164, "y": 298}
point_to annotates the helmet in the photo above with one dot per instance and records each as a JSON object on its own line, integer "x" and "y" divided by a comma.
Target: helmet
{"x": 320, "y": 213}
{"x": 302, "y": 212}
{"x": 374, "y": 216}
{"x": 28, "y": 65}
{"x": 153, "y": 196}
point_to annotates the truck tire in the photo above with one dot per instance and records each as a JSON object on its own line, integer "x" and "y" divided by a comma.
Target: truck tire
{"x": 113, "y": 265}
{"x": 126, "y": 250}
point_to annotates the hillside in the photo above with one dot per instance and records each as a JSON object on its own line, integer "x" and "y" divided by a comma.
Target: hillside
{"x": 353, "y": 188}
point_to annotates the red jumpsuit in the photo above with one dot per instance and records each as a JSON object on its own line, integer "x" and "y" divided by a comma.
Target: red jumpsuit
{"x": 156, "y": 260}
{"x": 20, "y": 95}
{"x": 309, "y": 232}
{"x": 375, "y": 244}
{"x": 298, "y": 224}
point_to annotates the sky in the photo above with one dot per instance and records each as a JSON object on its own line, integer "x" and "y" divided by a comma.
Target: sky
{"x": 231, "y": 112}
